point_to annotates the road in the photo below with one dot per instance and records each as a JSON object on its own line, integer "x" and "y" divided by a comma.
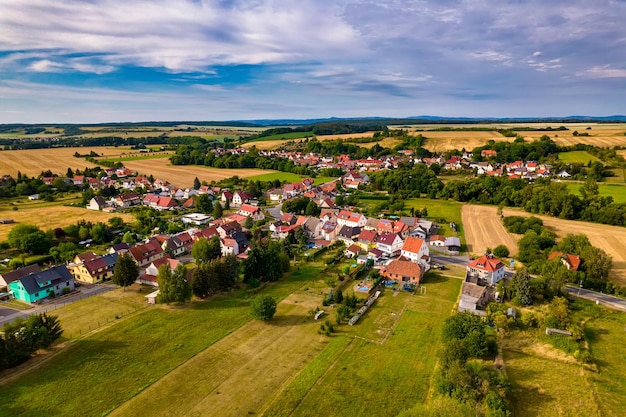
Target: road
{"x": 8, "y": 315}
{"x": 275, "y": 211}
{"x": 610, "y": 301}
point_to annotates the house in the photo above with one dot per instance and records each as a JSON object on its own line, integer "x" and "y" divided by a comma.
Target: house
{"x": 486, "y": 153}
{"x": 348, "y": 234}
{"x": 375, "y": 254}
{"x": 239, "y": 198}
{"x": 453, "y": 245}
{"x": 353, "y": 251}
{"x": 229, "y": 246}
{"x": 416, "y": 250}
{"x": 367, "y": 239}
{"x": 572, "y": 262}
{"x": 437, "y": 240}
{"x": 8, "y": 277}
{"x": 227, "y": 196}
{"x": 349, "y": 218}
{"x": 78, "y": 180}
{"x": 486, "y": 269}
{"x": 275, "y": 194}
{"x": 150, "y": 274}
{"x": 39, "y": 285}
{"x": 96, "y": 203}
{"x": 563, "y": 174}
{"x": 402, "y": 271}
{"x": 227, "y": 229}
{"x": 95, "y": 269}
{"x": 119, "y": 248}
{"x": 166, "y": 203}
{"x": 197, "y": 219}
{"x": 145, "y": 253}
{"x": 353, "y": 179}
{"x": 389, "y": 243}
{"x": 251, "y": 211}
{"x": 313, "y": 226}
{"x": 33, "y": 197}
{"x": 329, "y": 231}
{"x": 473, "y": 298}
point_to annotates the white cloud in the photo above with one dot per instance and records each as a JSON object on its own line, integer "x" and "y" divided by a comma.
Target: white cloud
{"x": 604, "y": 72}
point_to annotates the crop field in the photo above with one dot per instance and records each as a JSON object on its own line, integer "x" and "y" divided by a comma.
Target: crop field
{"x": 618, "y": 192}
{"x": 183, "y": 175}
{"x": 346, "y": 136}
{"x": 611, "y": 239}
{"x": 445, "y": 141}
{"x": 484, "y": 229}
{"x": 32, "y": 161}
{"x": 283, "y": 136}
{"x": 53, "y": 216}
{"x": 580, "y": 157}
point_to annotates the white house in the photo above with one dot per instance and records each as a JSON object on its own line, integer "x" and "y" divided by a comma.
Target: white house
{"x": 249, "y": 210}
{"x": 349, "y": 218}
{"x": 389, "y": 243}
{"x": 487, "y": 269}
{"x": 416, "y": 250}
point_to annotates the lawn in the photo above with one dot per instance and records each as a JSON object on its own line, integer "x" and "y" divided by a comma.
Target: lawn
{"x": 442, "y": 212}
{"x": 581, "y": 157}
{"x": 618, "y": 192}
{"x": 375, "y": 377}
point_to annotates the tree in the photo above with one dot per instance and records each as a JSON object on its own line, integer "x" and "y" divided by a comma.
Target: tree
{"x": 204, "y": 280}
{"x": 100, "y": 232}
{"x": 521, "y": 287}
{"x": 203, "y": 204}
{"x": 501, "y": 251}
{"x": 248, "y": 223}
{"x": 29, "y": 239}
{"x": 129, "y": 238}
{"x": 173, "y": 286}
{"x": 263, "y": 307}
{"x": 196, "y": 184}
{"x": 201, "y": 251}
{"x": 126, "y": 271}
{"x": 218, "y": 211}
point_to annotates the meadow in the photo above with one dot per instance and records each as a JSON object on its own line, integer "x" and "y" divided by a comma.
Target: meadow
{"x": 283, "y": 136}
{"x": 618, "y": 192}
{"x": 289, "y": 177}
{"x": 580, "y": 157}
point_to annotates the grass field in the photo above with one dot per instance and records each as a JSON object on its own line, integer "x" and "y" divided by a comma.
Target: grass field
{"x": 580, "y": 157}
{"x": 611, "y": 239}
{"x": 53, "y": 216}
{"x": 484, "y": 229}
{"x": 183, "y": 175}
{"x": 618, "y": 192}
{"x": 283, "y": 136}
{"x": 288, "y": 176}
{"x": 441, "y": 211}
{"x": 137, "y": 157}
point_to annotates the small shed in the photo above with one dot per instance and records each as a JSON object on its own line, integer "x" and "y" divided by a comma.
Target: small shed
{"x": 151, "y": 298}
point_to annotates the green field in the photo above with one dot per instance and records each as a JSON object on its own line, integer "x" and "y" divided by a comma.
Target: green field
{"x": 140, "y": 157}
{"x": 284, "y": 136}
{"x": 618, "y": 192}
{"x": 581, "y": 157}
{"x": 289, "y": 177}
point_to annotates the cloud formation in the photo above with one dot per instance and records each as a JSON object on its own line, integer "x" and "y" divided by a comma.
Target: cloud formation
{"x": 276, "y": 58}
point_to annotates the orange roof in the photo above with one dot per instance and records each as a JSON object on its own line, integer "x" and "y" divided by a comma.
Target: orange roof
{"x": 486, "y": 263}
{"x": 572, "y": 261}
{"x": 403, "y": 268}
{"x": 413, "y": 244}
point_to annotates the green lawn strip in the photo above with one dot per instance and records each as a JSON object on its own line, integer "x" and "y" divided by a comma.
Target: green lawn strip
{"x": 547, "y": 387}
{"x": 607, "y": 340}
{"x": 113, "y": 365}
{"x": 283, "y": 136}
{"x": 618, "y": 192}
{"x": 581, "y": 157}
{"x": 382, "y": 379}
{"x": 134, "y": 158}
{"x": 289, "y": 399}
{"x": 289, "y": 177}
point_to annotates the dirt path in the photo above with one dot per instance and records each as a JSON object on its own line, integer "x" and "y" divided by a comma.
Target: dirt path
{"x": 484, "y": 229}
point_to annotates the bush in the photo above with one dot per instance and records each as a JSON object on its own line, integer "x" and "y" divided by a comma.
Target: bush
{"x": 263, "y": 307}
{"x": 67, "y": 290}
{"x": 501, "y": 251}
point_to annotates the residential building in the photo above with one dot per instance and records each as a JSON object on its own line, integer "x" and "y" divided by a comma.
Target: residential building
{"x": 406, "y": 272}
{"x": 94, "y": 269}
{"x": 487, "y": 270}
{"x": 145, "y": 253}
{"x": 252, "y": 211}
{"x": 389, "y": 243}
{"x": 8, "y": 277}
{"x": 349, "y": 218}
{"x": 39, "y": 285}
{"x": 572, "y": 262}
{"x": 416, "y": 250}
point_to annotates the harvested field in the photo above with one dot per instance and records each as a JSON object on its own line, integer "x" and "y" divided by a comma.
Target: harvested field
{"x": 32, "y": 161}
{"x": 445, "y": 141}
{"x": 183, "y": 175}
{"x": 484, "y": 229}
{"x": 346, "y": 136}
{"x": 611, "y": 239}
{"x": 51, "y": 217}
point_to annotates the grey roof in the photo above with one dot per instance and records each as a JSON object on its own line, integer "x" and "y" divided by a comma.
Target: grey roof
{"x": 453, "y": 241}
{"x": 19, "y": 273}
{"x": 349, "y": 231}
{"x": 36, "y": 282}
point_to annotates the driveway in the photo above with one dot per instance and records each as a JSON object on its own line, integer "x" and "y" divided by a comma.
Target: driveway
{"x": 609, "y": 301}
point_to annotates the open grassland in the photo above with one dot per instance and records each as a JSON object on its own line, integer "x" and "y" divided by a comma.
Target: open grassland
{"x": 484, "y": 229}
{"x": 283, "y": 136}
{"x": 443, "y": 212}
{"x": 379, "y": 376}
{"x": 32, "y": 161}
{"x": 618, "y": 192}
{"x": 183, "y": 175}
{"x": 53, "y": 216}
{"x": 120, "y": 361}
{"x": 580, "y": 157}
{"x": 289, "y": 177}
{"x": 611, "y": 239}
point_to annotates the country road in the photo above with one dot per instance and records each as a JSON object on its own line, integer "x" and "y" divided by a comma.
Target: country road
{"x": 606, "y": 300}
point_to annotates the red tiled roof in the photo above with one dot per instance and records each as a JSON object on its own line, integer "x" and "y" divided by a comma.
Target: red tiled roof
{"x": 413, "y": 244}
{"x": 486, "y": 263}
{"x": 403, "y": 268}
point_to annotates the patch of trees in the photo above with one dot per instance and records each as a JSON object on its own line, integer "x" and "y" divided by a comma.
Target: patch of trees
{"x": 520, "y": 225}
{"x": 173, "y": 285}
{"x": 265, "y": 262}
{"x": 218, "y": 274}
{"x": 29, "y": 239}
{"x": 519, "y": 149}
{"x": 20, "y": 339}
{"x": 407, "y": 181}
{"x": 301, "y": 205}
{"x": 463, "y": 377}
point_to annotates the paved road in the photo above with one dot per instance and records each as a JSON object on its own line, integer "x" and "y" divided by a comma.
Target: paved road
{"x": 610, "y": 301}
{"x": 85, "y": 291}
{"x": 275, "y": 211}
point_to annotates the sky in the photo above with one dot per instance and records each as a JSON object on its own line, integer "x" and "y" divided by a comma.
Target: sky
{"x": 95, "y": 61}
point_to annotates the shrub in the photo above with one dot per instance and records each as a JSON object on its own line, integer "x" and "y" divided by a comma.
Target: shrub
{"x": 501, "y": 251}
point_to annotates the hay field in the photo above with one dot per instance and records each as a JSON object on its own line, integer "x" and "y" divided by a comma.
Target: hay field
{"x": 183, "y": 175}
{"x": 484, "y": 229}
{"x": 346, "y": 136}
{"x": 55, "y": 216}
{"x": 611, "y": 239}
{"x": 32, "y": 161}
{"x": 445, "y": 141}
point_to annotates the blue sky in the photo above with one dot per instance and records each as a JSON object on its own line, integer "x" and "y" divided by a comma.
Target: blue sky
{"x": 112, "y": 60}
